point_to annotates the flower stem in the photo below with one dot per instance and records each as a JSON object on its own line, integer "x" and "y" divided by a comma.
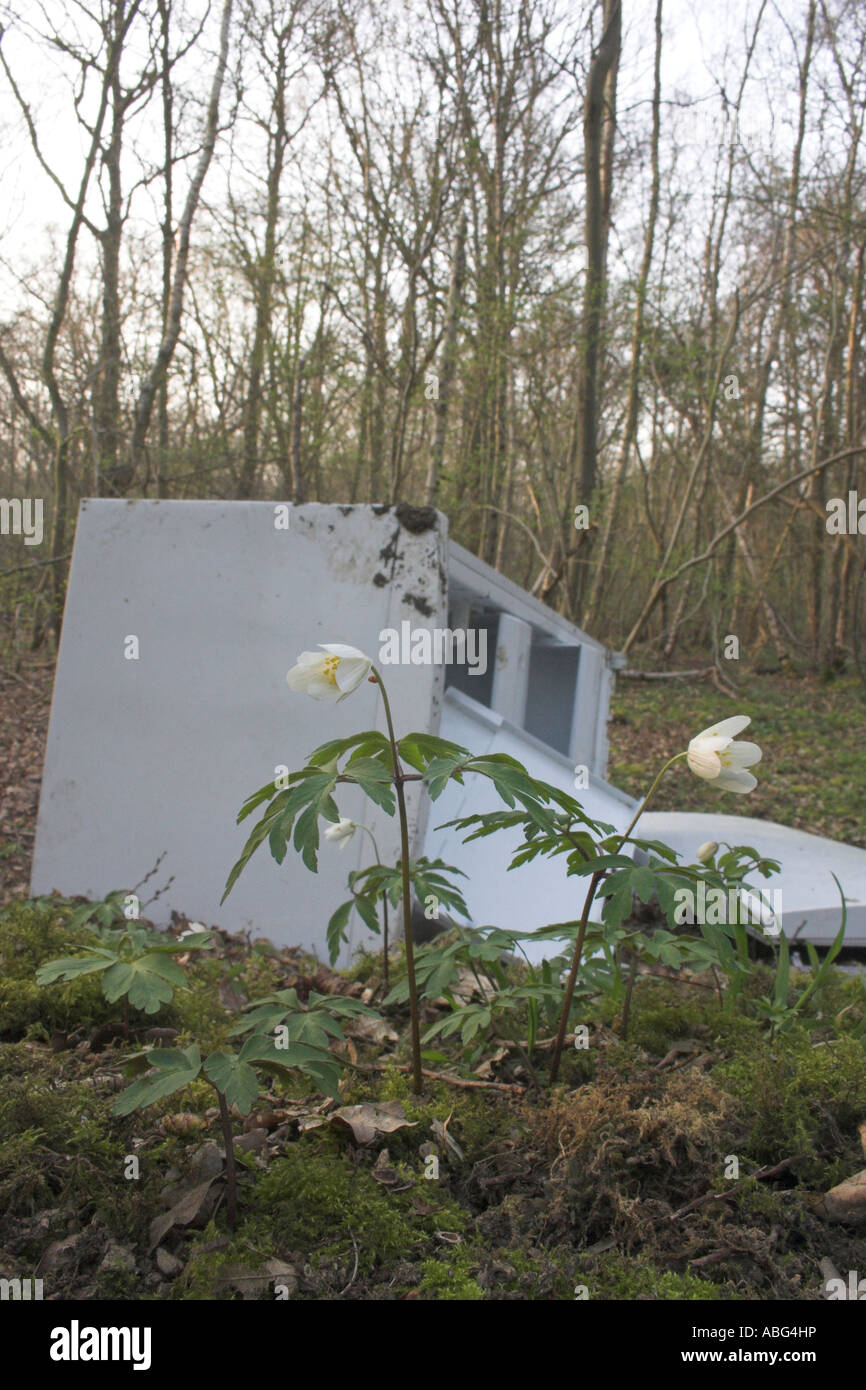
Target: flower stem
{"x": 407, "y": 905}
{"x": 385, "y": 942}
{"x": 231, "y": 1171}
{"x": 578, "y": 945}
{"x": 640, "y": 810}
{"x": 572, "y": 977}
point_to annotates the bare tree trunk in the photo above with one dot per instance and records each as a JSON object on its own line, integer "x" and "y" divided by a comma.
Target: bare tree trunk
{"x": 449, "y": 360}
{"x": 663, "y": 581}
{"x": 632, "y": 388}
{"x": 597, "y": 122}
{"x": 262, "y": 276}
{"x": 167, "y": 230}
{"x": 157, "y": 374}
{"x": 852, "y": 432}
{"x": 107, "y": 388}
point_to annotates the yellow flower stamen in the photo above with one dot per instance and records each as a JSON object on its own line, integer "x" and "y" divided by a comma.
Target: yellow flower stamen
{"x": 330, "y": 669}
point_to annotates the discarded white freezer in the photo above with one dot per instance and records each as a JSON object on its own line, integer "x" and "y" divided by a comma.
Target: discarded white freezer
{"x": 154, "y": 743}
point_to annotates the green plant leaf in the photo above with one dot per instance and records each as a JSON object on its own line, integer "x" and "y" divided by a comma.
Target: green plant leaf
{"x": 419, "y": 749}
{"x": 371, "y": 740}
{"x": 321, "y": 803}
{"x": 171, "y": 1072}
{"x": 509, "y": 777}
{"x": 375, "y": 779}
{"x": 234, "y": 1077}
{"x": 314, "y": 1062}
{"x": 149, "y": 981}
{"x": 617, "y": 892}
{"x": 336, "y": 930}
{"x": 783, "y": 973}
{"x": 70, "y": 967}
{"x": 369, "y": 914}
{"x": 439, "y": 772}
{"x": 264, "y": 793}
{"x": 259, "y": 832}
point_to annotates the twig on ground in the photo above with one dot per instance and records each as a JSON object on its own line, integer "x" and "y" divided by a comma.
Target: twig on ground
{"x": 442, "y": 1076}
{"x": 722, "y": 1196}
{"x": 13, "y": 675}
{"x": 354, "y": 1271}
{"x": 697, "y": 673}
{"x": 35, "y": 564}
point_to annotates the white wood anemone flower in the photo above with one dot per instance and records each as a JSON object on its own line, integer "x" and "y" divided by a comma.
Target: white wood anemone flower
{"x": 332, "y": 676}
{"x": 342, "y": 832}
{"x": 714, "y": 756}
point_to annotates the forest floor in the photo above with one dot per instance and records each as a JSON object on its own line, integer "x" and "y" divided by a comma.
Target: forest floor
{"x": 683, "y": 1156}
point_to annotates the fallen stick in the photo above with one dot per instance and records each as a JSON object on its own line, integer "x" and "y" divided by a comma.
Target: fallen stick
{"x": 35, "y": 564}
{"x": 713, "y": 1258}
{"x": 722, "y": 1196}
{"x": 828, "y": 1272}
{"x": 697, "y": 673}
{"x": 441, "y": 1076}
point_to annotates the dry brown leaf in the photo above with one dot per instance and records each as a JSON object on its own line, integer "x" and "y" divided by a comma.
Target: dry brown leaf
{"x": 368, "y": 1121}
{"x": 383, "y": 1173}
{"x": 467, "y": 988}
{"x": 181, "y": 1214}
{"x": 374, "y": 1030}
{"x": 485, "y": 1069}
{"x": 257, "y": 1283}
{"x": 168, "y": 1264}
{"x": 847, "y": 1201}
{"x": 441, "y": 1132}
{"x": 231, "y": 999}
{"x": 80, "y": 1248}
{"x": 184, "y": 1122}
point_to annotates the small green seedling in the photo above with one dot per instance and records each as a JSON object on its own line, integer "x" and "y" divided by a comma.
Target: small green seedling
{"x": 135, "y": 962}
{"x": 284, "y": 1038}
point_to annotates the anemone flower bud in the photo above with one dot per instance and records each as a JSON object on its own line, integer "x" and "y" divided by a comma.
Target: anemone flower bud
{"x": 342, "y": 832}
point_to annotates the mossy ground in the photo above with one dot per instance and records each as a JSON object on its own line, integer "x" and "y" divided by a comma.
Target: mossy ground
{"x": 630, "y": 1180}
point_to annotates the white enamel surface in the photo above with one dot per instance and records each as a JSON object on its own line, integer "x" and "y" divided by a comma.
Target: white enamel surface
{"x": 537, "y": 893}
{"x": 157, "y": 755}
{"x": 811, "y": 906}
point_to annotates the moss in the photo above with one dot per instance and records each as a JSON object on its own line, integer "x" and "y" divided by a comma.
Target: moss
{"x": 30, "y": 935}
{"x": 61, "y": 1147}
{"x": 800, "y": 1098}
{"x": 477, "y": 1120}
{"x": 318, "y": 1211}
{"x": 664, "y": 1012}
{"x": 449, "y": 1280}
{"x": 205, "y": 1275}
{"x": 368, "y": 966}
{"x": 314, "y": 1201}
{"x": 114, "y": 1283}
{"x": 614, "y": 1277}
{"x": 657, "y": 1028}
{"x": 609, "y": 1153}
{"x": 198, "y": 1011}
{"x": 198, "y": 1015}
